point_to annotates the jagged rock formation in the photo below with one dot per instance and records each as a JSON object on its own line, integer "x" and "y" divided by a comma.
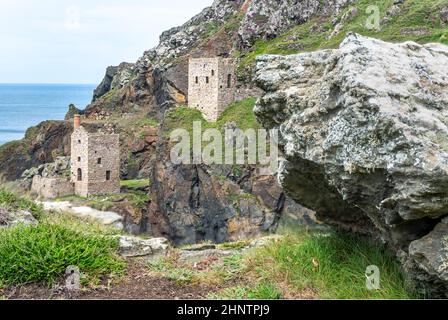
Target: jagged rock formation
{"x": 219, "y": 203}
{"x": 266, "y": 19}
{"x": 364, "y": 129}
{"x": 42, "y": 144}
{"x": 59, "y": 168}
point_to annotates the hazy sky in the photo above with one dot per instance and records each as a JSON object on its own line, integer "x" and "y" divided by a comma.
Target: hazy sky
{"x": 54, "y": 41}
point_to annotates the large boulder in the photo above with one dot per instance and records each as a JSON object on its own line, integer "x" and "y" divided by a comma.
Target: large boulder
{"x": 364, "y": 134}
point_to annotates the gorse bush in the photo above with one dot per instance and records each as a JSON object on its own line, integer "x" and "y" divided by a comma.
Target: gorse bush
{"x": 11, "y": 201}
{"x": 42, "y": 254}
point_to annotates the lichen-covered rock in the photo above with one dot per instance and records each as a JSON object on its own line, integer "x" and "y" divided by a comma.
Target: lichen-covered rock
{"x": 265, "y": 19}
{"x": 430, "y": 255}
{"x": 132, "y": 247}
{"x": 60, "y": 168}
{"x": 444, "y": 14}
{"x": 363, "y": 129}
{"x": 10, "y": 218}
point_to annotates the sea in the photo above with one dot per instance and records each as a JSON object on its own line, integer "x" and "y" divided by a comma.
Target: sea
{"x": 26, "y": 105}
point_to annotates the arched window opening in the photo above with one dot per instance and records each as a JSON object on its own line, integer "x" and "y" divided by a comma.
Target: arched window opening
{"x": 213, "y": 73}
{"x": 79, "y": 175}
{"x": 207, "y": 79}
{"x": 197, "y": 80}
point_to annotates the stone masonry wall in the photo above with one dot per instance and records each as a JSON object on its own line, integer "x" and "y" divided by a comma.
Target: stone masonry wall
{"x": 208, "y": 86}
{"x": 106, "y": 148}
{"x": 51, "y": 188}
{"x": 78, "y": 160}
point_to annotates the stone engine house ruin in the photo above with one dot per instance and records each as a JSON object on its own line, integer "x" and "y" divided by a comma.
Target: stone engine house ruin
{"x": 95, "y": 162}
{"x": 211, "y": 85}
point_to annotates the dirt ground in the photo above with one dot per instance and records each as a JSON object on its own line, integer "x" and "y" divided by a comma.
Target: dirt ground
{"x": 135, "y": 285}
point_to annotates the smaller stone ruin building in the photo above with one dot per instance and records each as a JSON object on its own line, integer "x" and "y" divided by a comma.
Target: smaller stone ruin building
{"x": 95, "y": 162}
{"x": 211, "y": 85}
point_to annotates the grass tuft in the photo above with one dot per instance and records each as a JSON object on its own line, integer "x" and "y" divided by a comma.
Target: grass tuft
{"x": 14, "y": 202}
{"x": 332, "y": 265}
{"x": 42, "y": 254}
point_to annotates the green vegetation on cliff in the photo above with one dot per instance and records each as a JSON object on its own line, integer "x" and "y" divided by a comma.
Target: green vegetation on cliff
{"x": 240, "y": 112}
{"x": 414, "y": 20}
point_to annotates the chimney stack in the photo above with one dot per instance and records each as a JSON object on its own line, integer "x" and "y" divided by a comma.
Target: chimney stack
{"x": 77, "y": 121}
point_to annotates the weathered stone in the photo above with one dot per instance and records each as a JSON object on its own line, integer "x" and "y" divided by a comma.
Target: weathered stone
{"x": 10, "y": 218}
{"x": 444, "y": 14}
{"x": 265, "y": 19}
{"x": 363, "y": 130}
{"x": 106, "y": 218}
{"x": 430, "y": 255}
{"x": 132, "y": 247}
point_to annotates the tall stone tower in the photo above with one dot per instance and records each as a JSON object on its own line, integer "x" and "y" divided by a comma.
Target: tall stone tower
{"x": 95, "y": 162}
{"x": 211, "y": 85}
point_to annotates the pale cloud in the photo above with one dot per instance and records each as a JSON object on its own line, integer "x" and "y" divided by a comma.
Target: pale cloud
{"x": 73, "y": 42}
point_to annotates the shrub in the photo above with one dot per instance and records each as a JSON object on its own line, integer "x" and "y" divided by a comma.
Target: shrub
{"x": 42, "y": 254}
{"x": 11, "y": 201}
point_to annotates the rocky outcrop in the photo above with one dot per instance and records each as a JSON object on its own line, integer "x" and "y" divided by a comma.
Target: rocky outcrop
{"x": 428, "y": 260}
{"x": 133, "y": 247}
{"x": 116, "y": 77}
{"x": 42, "y": 144}
{"x": 364, "y": 129}
{"x": 59, "y": 168}
{"x": 266, "y": 19}
{"x": 218, "y": 203}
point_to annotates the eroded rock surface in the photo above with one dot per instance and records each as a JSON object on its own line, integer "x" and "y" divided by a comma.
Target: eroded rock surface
{"x": 364, "y": 132}
{"x": 10, "y": 218}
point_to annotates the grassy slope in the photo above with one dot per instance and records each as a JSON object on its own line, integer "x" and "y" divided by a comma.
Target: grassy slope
{"x": 240, "y": 112}
{"x": 414, "y": 14}
{"x": 300, "y": 266}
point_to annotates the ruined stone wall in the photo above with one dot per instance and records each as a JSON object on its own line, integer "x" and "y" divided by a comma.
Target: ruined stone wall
{"x": 79, "y": 160}
{"x": 103, "y": 157}
{"x": 51, "y": 188}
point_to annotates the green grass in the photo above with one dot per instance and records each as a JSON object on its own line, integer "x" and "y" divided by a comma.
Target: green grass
{"x": 135, "y": 184}
{"x": 331, "y": 265}
{"x": 138, "y": 199}
{"x": 11, "y": 201}
{"x": 41, "y": 254}
{"x": 240, "y": 112}
{"x": 414, "y": 14}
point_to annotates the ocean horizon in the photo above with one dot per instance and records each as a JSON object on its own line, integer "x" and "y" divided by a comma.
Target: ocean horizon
{"x": 26, "y": 105}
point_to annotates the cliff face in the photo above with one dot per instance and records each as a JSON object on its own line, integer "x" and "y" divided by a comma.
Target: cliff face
{"x": 364, "y": 130}
{"x": 191, "y": 203}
